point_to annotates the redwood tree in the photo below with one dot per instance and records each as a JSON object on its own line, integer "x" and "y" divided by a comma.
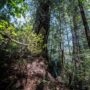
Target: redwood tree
{"x": 42, "y": 22}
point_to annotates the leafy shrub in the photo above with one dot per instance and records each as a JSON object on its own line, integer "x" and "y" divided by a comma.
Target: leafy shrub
{"x": 34, "y": 42}
{"x": 28, "y": 39}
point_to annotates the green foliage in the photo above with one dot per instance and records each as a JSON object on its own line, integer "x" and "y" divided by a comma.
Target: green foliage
{"x": 59, "y": 40}
{"x": 7, "y": 28}
{"x": 25, "y": 36}
{"x": 33, "y": 40}
{"x": 83, "y": 1}
{"x": 3, "y": 24}
{"x": 13, "y": 7}
{"x": 17, "y": 7}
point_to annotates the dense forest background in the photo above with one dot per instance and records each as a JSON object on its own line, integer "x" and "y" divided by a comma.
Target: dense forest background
{"x": 44, "y": 44}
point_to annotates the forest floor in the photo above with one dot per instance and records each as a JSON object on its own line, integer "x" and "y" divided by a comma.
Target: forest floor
{"x": 32, "y": 74}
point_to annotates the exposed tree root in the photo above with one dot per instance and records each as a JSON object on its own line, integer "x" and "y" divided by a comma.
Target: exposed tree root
{"x": 33, "y": 76}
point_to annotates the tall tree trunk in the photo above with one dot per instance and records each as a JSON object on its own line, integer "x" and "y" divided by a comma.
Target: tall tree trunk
{"x": 76, "y": 49}
{"x": 42, "y": 22}
{"x": 85, "y": 23}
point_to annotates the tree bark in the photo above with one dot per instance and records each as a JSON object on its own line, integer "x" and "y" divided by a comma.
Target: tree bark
{"x": 85, "y": 23}
{"x": 42, "y": 22}
{"x": 76, "y": 48}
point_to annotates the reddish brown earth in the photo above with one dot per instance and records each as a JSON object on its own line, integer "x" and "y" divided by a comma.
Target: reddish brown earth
{"x": 31, "y": 76}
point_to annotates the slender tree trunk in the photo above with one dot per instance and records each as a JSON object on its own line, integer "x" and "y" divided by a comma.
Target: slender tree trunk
{"x": 76, "y": 49}
{"x": 61, "y": 34}
{"x": 42, "y": 22}
{"x": 85, "y": 23}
